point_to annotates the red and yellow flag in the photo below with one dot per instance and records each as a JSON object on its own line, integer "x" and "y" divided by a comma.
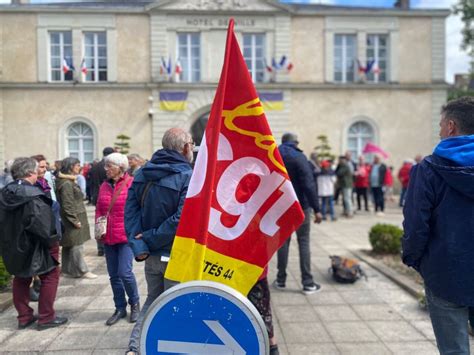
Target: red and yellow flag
{"x": 240, "y": 206}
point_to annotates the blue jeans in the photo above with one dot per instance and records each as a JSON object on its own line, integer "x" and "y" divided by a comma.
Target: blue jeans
{"x": 329, "y": 202}
{"x": 449, "y": 322}
{"x": 156, "y": 283}
{"x": 119, "y": 259}
{"x": 347, "y": 199}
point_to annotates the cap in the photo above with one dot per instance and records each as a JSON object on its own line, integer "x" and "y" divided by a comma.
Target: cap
{"x": 289, "y": 137}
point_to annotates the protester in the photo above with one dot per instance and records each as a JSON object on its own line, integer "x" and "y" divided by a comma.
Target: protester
{"x": 29, "y": 244}
{"x": 325, "y": 180}
{"x": 135, "y": 162}
{"x": 388, "y": 184}
{"x": 6, "y": 176}
{"x": 306, "y": 190}
{"x": 152, "y": 213}
{"x": 74, "y": 218}
{"x": 345, "y": 181}
{"x": 418, "y": 159}
{"x": 361, "y": 182}
{"x": 97, "y": 176}
{"x": 439, "y": 226}
{"x": 81, "y": 181}
{"x": 404, "y": 178}
{"x": 118, "y": 254}
{"x": 376, "y": 179}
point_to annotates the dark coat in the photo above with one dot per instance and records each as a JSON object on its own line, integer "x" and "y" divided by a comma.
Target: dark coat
{"x": 301, "y": 175}
{"x": 439, "y": 226}
{"x": 71, "y": 200}
{"x": 345, "y": 179}
{"x": 27, "y": 230}
{"x": 168, "y": 174}
{"x": 96, "y": 177}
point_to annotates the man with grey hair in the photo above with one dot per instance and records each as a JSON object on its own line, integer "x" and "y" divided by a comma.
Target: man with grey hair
{"x": 152, "y": 213}
{"x": 29, "y": 244}
{"x": 135, "y": 162}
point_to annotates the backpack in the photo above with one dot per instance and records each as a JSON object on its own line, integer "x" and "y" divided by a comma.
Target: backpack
{"x": 345, "y": 270}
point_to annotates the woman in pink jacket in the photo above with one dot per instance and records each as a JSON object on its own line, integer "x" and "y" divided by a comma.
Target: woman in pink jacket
{"x": 118, "y": 254}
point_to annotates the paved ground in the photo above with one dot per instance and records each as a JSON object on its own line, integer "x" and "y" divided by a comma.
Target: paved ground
{"x": 373, "y": 317}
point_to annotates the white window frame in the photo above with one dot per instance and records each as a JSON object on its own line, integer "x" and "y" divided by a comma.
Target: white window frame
{"x": 375, "y": 77}
{"x": 344, "y": 58}
{"x": 61, "y": 56}
{"x": 95, "y": 45}
{"x": 253, "y": 56}
{"x": 361, "y": 138}
{"x": 80, "y": 138}
{"x": 188, "y": 70}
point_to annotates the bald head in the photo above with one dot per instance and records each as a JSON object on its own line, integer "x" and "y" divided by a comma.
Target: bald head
{"x": 179, "y": 140}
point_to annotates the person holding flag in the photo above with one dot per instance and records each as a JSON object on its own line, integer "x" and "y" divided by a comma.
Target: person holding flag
{"x": 307, "y": 191}
{"x": 152, "y": 212}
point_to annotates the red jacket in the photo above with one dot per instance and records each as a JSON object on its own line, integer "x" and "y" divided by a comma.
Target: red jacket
{"x": 362, "y": 175}
{"x": 388, "y": 180}
{"x": 115, "y": 222}
{"x": 404, "y": 174}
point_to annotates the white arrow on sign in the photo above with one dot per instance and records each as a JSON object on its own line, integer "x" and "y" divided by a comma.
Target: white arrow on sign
{"x": 230, "y": 346}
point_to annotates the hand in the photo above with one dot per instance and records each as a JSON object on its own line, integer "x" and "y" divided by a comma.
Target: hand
{"x": 77, "y": 225}
{"x": 139, "y": 236}
{"x": 142, "y": 257}
{"x": 318, "y": 217}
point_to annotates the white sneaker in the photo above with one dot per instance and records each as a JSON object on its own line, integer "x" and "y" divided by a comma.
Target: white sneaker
{"x": 380, "y": 214}
{"x": 89, "y": 275}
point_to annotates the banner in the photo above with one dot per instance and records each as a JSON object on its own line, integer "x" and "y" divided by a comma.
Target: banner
{"x": 240, "y": 206}
{"x": 173, "y": 100}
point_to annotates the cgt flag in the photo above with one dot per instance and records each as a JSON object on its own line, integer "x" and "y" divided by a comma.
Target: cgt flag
{"x": 240, "y": 206}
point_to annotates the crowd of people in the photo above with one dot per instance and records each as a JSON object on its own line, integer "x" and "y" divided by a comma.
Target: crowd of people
{"x": 138, "y": 208}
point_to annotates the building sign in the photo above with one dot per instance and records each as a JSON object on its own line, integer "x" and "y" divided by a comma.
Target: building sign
{"x": 221, "y": 22}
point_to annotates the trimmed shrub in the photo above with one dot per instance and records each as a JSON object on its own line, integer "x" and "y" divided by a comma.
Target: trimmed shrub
{"x": 4, "y": 275}
{"x": 385, "y": 238}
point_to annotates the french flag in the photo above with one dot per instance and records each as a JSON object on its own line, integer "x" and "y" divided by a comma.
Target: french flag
{"x": 376, "y": 68}
{"x": 67, "y": 67}
{"x": 84, "y": 67}
{"x": 178, "y": 69}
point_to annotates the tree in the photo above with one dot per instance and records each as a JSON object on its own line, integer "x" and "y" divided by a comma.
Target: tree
{"x": 323, "y": 149}
{"x": 465, "y": 8}
{"x": 122, "y": 145}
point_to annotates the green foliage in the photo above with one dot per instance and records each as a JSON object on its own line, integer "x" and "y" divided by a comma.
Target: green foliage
{"x": 465, "y": 8}
{"x": 457, "y": 93}
{"x": 385, "y": 238}
{"x": 4, "y": 275}
{"x": 323, "y": 149}
{"x": 123, "y": 144}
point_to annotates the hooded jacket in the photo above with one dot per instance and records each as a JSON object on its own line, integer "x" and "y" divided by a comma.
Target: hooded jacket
{"x": 301, "y": 175}
{"x": 438, "y": 236}
{"x": 155, "y": 201}
{"x": 27, "y": 230}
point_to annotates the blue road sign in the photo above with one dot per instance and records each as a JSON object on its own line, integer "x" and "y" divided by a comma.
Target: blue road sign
{"x": 203, "y": 317}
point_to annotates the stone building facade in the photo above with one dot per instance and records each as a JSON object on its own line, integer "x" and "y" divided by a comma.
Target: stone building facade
{"x": 127, "y": 47}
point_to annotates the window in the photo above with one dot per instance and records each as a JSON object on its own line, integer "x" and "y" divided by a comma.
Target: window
{"x": 360, "y": 133}
{"x": 344, "y": 58}
{"x": 189, "y": 54}
{"x": 61, "y": 65}
{"x": 95, "y": 56}
{"x": 377, "y": 46}
{"x": 80, "y": 142}
{"x": 254, "y": 49}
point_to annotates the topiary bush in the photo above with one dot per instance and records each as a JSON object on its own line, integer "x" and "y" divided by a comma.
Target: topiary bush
{"x": 386, "y": 238}
{"x": 4, "y": 275}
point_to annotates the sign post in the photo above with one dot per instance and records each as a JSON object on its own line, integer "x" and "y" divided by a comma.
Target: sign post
{"x": 203, "y": 317}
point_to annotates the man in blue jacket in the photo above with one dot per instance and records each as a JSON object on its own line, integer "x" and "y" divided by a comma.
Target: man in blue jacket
{"x": 302, "y": 179}
{"x": 154, "y": 204}
{"x": 439, "y": 226}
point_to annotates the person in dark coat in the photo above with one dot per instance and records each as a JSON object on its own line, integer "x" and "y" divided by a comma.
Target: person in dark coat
{"x": 438, "y": 238}
{"x": 377, "y": 180}
{"x": 96, "y": 177}
{"x": 152, "y": 212}
{"x": 74, "y": 217}
{"x": 302, "y": 179}
{"x": 29, "y": 244}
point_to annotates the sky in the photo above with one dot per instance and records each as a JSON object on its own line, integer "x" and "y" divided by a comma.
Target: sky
{"x": 457, "y": 61}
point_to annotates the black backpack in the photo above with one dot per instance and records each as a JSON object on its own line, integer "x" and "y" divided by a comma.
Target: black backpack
{"x": 345, "y": 270}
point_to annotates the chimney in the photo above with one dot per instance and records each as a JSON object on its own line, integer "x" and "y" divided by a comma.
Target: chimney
{"x": 402, "y": 4}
